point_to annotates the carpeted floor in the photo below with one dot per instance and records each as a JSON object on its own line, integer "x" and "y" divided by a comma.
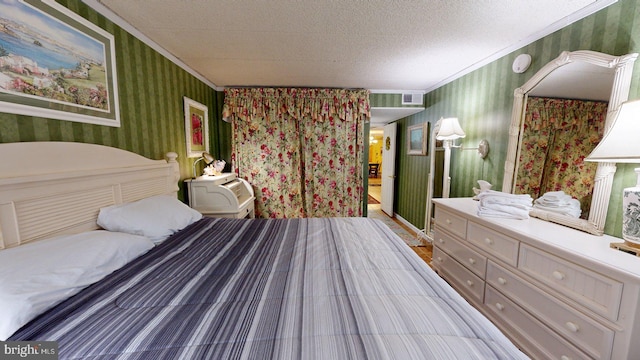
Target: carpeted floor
{"x": 374, "y": 212}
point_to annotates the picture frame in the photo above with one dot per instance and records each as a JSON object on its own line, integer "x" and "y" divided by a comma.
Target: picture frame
{"x": 196, "y": 124}
{"x": 56, "y": 64}
{"x": 418, "y": 139}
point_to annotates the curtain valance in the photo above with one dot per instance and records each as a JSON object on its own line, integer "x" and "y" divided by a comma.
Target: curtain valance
{"x": 565, "y": 114}
{"x": 556, "y": 136}
{"x": 322, "y": 105}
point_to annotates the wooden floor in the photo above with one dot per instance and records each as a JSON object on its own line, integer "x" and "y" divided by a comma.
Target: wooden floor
{"x": 425, "y": 252}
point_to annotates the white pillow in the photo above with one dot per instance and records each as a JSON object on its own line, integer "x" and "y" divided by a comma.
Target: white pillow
{"x": 34, "y": 277}
{"x": 155, "y": 217}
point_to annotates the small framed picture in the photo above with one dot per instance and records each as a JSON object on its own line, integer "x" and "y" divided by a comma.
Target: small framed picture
{"x": 196, "y": 123}
{"x": 418, "y": 139}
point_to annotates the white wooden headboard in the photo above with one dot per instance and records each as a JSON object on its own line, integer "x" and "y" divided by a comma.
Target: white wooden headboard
{"x": 55, "y": 188}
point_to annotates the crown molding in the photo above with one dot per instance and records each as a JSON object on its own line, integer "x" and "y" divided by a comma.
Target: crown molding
{"x": 113, "y": 17}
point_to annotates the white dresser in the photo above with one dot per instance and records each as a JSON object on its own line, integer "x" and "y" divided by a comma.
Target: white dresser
{"x": 221, "y": 196}
{"x": 558, "y": 293}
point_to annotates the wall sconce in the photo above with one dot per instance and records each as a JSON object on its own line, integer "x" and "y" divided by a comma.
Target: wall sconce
{"x": 208, "y": 159}
{"x": 449, "y": 131}
{"x": 620, "y": 145}
{"x": 483, "y": 148}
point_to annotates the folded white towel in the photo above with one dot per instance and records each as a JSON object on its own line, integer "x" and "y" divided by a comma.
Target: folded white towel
{"x": 488, "y": 200}
{"x": 560, "y": 210}
{"x": 554, "y": 195}
{"x": 504, "y": 198}
{"x": 566, "y": 200}
{"x": 558, "y": 202}
{"x": 504, "y": 211}
{"x": 504, "y": 205}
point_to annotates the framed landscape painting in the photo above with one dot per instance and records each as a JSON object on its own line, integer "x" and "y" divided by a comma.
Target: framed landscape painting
{"x": 418, "y": 136}
{"x": 56, "y": 64}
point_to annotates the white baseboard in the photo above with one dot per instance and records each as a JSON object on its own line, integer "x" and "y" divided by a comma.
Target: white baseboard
{"x": 418, "y": 232}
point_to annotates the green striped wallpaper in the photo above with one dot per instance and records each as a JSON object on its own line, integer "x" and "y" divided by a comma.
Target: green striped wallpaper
{"x": 387, "y": 100}
{"x": 482, "y": 100}
{"x": 151, "y": 90}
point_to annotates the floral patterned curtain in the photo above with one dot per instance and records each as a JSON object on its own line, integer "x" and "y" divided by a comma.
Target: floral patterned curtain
{"x": 557, "y": 136}
{"x": 301, "y": 149}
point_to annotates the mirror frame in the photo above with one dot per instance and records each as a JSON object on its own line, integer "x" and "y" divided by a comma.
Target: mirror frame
{"x": 428, "y": 231}
{"x": 623, "y": 66}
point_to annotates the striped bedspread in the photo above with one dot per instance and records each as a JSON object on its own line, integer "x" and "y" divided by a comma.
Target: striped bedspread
{"x": 343, "y": 288}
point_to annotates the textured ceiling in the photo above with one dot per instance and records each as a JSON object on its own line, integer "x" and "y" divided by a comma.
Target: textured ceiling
{"x": 375, "y": 44}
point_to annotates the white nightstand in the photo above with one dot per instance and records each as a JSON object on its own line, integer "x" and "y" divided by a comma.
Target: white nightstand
{"x": 221, "y": 196}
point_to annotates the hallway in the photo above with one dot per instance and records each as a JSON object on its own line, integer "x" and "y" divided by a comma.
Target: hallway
{"x": 375, "y": 188}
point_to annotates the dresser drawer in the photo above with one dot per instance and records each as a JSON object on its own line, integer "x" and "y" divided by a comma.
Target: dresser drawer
{"x": 461, "y": 278}
{"x": 591, "y": 289}
{"x": 544, "y": 343}
{"x": 496, "y": 244}
{"x": 587, "y": 334}
{"x": 457, "y": 225}
{"x": 469, "y": 258}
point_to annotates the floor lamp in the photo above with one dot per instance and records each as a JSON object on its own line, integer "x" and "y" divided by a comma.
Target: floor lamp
{"x": 450, "y": 130}
{"x": 447, "y": 130}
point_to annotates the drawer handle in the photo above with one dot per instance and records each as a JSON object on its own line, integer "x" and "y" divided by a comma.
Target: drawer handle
{"x": 565, "y": 357}
{"x": 439, "y": 259}
{"x": 472, "y": 261}
{"x": 572, "y": 327}
{"x": 558, "y": 275}
{"x": 499, "y": 306}
{"x": 502, "y": 280}
{"x": 448, "y": 221}
{"x": 441, "y": 241}
{"x": 469, "y": 282}
{"x": 488, "y": 241}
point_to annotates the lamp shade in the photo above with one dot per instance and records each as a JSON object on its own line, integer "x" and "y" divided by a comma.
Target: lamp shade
{"x": 620, "y": 144}
{"x": 208, "y": 158}
{"x": 450, "y": 129}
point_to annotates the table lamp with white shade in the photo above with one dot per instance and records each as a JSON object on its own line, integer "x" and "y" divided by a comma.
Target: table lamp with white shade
{"x": 206, "y": 157}
{"x": 621, "y": 144}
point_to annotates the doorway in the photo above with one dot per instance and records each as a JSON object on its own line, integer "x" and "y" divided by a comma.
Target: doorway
{"x": 375, "y": 166}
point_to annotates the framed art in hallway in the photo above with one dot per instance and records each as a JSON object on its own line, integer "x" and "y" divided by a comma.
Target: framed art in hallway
{"x": 196, "y": 124}
{"x": 418, "y": 139}
{"x": 56, "y": 64}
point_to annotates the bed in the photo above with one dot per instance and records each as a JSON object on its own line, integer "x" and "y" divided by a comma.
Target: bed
{"x": 191, "y": 287}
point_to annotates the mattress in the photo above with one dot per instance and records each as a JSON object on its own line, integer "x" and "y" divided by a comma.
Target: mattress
{"x": 337, "y": 288}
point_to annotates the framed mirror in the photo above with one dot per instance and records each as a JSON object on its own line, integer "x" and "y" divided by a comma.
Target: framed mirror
{"x": 428, "y": 217}
{"x": 613, "y": 72}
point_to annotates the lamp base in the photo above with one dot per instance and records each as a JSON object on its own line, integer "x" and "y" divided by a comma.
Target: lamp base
{"x": 631, "y": 214}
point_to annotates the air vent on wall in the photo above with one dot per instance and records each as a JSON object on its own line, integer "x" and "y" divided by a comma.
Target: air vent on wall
{"x": 412, "y": 99}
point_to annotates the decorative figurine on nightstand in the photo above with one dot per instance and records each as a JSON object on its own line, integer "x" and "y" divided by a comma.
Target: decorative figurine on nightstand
{"x": 215, "y": 168}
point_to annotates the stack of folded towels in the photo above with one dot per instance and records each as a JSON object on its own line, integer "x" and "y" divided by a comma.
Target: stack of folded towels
{"x": 558, "y": 202}
{"x": 504, "y": 205}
